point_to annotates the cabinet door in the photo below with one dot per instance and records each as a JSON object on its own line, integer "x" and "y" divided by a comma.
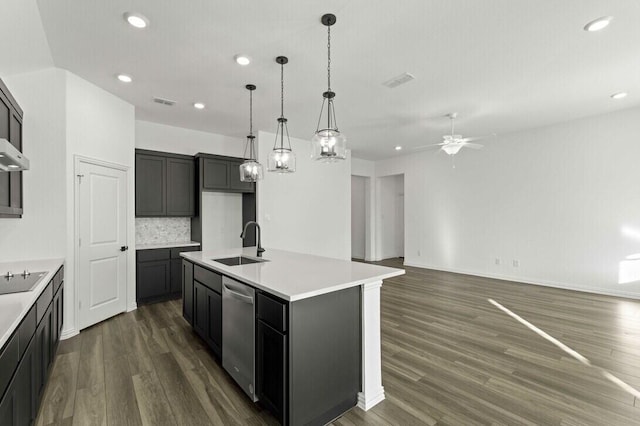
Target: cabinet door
{"x": 214, "y": 326}
{"x": 200, "y": 309}
{"x": 5, "y": 113}
{"x": 181, "y": 189}
{"x": 8, "y": 407}
{"x": 56, "y": 320}
{"x": 24, "y": 386}
{"x": 15, "y": 178}
{"x": 175, "y": 287}
{"x": 43, "y": 352}
{"x": 234, "y": 178}
{"x": 187, "y": 291}
{"x": 151, "y": 185}
{"x": 215, "y": 174}
{"x": 153, "y": 279}
{"x": 271, "y": 368}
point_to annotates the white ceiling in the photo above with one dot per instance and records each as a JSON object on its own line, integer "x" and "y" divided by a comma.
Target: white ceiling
{"x": 504, "y": 65}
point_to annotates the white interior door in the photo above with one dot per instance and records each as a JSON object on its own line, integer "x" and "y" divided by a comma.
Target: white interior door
{"x": 102, "y": 268}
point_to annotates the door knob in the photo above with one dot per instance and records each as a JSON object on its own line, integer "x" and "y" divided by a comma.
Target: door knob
{"x": 124, "y": 248}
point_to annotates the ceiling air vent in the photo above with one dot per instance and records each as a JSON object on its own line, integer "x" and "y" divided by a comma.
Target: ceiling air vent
{"x": 163, "y": 101}
{"x": 398, "y": 80}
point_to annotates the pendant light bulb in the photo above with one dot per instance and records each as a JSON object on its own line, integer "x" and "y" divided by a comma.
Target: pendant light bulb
{"x": 281, "y": 158}
{"x": 328, "y": 143}
{"x": 250, "y": 169}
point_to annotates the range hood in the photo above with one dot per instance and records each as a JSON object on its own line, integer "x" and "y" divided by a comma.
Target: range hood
{"x": 11, "y": 160}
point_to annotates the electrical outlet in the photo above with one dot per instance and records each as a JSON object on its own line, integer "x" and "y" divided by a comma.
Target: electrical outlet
{"x": 516, "y": 263}
{"x": 498, "y": 261}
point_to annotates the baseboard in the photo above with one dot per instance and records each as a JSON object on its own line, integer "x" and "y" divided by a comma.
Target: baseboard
{"x": 368, "y": 401}
{"x": 525, "y": 280}
{"x": 67, "y": 334}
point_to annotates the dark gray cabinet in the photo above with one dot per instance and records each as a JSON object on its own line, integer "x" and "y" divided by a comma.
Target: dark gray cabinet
{"x": 181, "y": 187}
{"x": 187, "y": 291}
{"x": 207, "y": 316}
{"x": 271, "y": 354}
{"x": 159, "y": 274}
{"x": 151, "y": 185}
{"x": 26, "y": 360}
{"x": 203, "y": 308}
{"x": 10, "y": 129}
{"x": 165, "y": 184}
{"x": 222, "y": 174}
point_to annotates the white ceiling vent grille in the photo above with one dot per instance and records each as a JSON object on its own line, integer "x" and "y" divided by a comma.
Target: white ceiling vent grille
{"x": 163, "y": 101}
{"x": 398, "y": 80}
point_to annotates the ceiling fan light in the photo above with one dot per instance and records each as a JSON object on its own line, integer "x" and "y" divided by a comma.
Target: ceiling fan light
{"x": 452, "y": 148}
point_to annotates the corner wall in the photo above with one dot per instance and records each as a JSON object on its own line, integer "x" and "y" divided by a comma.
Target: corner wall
{"x": 557, "y": 206}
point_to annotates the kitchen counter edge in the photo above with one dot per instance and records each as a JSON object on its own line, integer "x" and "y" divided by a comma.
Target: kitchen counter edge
{"x": 26, "y": 298}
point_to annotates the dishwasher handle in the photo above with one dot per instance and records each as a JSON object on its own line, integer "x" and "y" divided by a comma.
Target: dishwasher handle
{"x": 238, "y": 296}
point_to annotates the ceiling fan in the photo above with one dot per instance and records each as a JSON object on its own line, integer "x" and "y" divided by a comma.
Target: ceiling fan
{"x": 453, "y": 143}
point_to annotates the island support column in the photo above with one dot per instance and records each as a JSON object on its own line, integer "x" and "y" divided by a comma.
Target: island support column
{"x": 372, "y": 390}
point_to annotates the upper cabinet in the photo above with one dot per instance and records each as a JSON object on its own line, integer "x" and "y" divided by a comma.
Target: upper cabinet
{"x": 11, "y": 130}
{"x": 165, "y": 184}
{"x": 222, "y": 174}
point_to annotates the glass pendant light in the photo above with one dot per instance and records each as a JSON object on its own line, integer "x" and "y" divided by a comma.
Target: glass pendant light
{"x": 328, "y": 144}
{"x": 250, "y": 169}
{"x": 282, "y": 159}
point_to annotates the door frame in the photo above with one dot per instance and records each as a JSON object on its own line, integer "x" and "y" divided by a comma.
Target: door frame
{"x": 78, "y": 160}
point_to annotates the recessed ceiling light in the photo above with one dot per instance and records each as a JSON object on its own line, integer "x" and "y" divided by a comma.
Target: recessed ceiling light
{"x": 619, "y": 95}
{"x": 398, "y": 148}
{"x": 598, "y": 24}
{"x": 136, "y": 20}
{"x": 242, "y": 59}
{"x": 198, "y": 105}
{"x": 124, "y": 78}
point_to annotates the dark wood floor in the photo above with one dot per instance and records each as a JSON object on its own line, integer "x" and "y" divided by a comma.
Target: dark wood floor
{"x": 450, "y": 357}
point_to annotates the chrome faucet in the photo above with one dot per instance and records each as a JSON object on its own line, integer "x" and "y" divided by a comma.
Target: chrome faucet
{"x": 244, "y": 232}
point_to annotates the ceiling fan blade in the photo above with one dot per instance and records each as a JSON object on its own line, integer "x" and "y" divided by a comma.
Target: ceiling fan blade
{"x": 473, "y": 145}
{"x": 474, "y": 138}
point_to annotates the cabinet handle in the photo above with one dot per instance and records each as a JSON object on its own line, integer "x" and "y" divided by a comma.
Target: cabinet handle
{"x": 124, "y": 248}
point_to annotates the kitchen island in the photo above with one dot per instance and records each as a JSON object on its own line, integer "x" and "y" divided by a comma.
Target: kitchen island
{"x": 317, "y": 320}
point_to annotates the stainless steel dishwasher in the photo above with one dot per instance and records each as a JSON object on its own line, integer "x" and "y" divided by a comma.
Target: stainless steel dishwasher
{"x": 238, "y": 333}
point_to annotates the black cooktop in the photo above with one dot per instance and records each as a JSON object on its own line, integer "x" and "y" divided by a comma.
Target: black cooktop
{"x": 20, "y": 282}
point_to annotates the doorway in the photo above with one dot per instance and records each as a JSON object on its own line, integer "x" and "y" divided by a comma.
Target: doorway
{"x": 359, "y": 198}
{"x": 101, "y": 256}
{"x": 391, "y": 216}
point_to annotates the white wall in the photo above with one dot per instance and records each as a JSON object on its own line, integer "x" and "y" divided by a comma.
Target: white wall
{"x": 160, "y": 137}
{"x": 221, "y": 220}
{"x": 366, "y": 169}
{"x": 358, "y": 216}
{"x": 99, "y": 126}
{"x": 42, "y": 231}
{"x": 562, "y": 200}
{"x": 391, "y": 216}
{"x": 308, "y": 211}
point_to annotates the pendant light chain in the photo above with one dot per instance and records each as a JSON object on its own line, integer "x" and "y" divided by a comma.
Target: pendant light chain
{"x": 329, "y": 58}
{"x": 282, "y": 90}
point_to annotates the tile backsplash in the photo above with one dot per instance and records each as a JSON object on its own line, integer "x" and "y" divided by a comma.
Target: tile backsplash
{"x": 154, "y": 230}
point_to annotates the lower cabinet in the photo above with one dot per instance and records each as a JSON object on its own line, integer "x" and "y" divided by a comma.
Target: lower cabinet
{"x": 159, "y": 274}
{"x": 37, "y": 346}
{"x": 207, "y": 316}
{"x": 271, "y": 368}
{"x": 187, "y": 291}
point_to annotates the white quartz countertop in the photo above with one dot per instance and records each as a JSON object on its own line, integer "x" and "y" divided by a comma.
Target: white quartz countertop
{"x": 14, "y": 306}
{"x": 293, "y": 276}
{"x": 166, "y": 245}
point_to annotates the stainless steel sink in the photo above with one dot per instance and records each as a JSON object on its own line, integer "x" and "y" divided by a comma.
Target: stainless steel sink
{"x": 238, "y": 260}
